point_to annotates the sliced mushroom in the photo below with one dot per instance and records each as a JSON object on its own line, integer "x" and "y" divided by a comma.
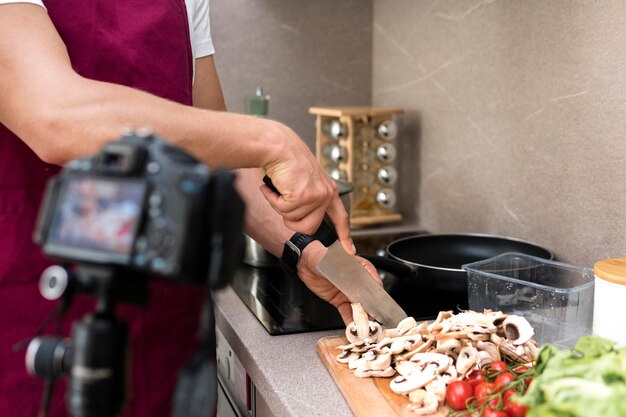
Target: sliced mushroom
{"x": 437, "y": 387}
{"x": 468, "y": 357}
{"x": 517, "y": 329}
{"x": 406, "y": 324}
{"x": 347, "y": 356}
{"x": 447, "y": 346}
{"x": 405, "y": 384}
{"x": 357, "y": 349}
{"x": 484, "y": 358}
{"x": 420, "y": 349}
{"x": 366, "y": 373}
{"x": 384, "y": 344}
{"x": 449, "y": 375}
{"x": 359, "y": 329}
{"x": 407, "y": 368}
{"x": 362, "y": 331}
{"x": 531, "y": 349}
{"x": 422, "y": 402}
{"x": 436, "y": 325}
{"x": 437, "y": 361}
{"x": 488, "y": 352}
{"x": 378, "y": 362}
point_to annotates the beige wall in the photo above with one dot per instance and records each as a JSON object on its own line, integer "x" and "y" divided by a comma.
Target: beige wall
{"x": 516, "y": 120}
{"x": 516, "y": 110}
{"x": 303, "y": 53}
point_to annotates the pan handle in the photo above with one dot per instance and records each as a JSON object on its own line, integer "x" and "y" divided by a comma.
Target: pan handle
{"x": 398, "y": 268}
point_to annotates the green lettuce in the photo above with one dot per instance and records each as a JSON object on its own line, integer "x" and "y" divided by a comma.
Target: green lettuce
{"x": 589, "y": 380}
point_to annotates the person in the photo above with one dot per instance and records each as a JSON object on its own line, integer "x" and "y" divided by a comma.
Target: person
{"x": 73, "y": 75}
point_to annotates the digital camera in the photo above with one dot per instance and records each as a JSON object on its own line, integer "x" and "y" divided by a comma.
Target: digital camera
{"x": 142, "y": 204}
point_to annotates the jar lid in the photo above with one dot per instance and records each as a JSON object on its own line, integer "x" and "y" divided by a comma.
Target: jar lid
{"x": 613, "y": 270}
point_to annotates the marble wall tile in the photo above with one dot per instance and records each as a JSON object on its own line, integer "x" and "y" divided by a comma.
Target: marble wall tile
{"x": 516, "y": 118}
{"x": 303, "y": 53}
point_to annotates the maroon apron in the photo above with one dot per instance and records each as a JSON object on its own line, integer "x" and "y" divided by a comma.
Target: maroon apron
{"x": 144, "y": 44}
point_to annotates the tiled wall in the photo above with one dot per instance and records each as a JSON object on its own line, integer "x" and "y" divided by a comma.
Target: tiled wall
{"x": 516, "y": 117}
{"x": 303, "y": 53}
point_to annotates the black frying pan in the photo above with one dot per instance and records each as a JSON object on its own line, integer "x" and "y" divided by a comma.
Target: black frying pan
{"x": 431, "y": 265}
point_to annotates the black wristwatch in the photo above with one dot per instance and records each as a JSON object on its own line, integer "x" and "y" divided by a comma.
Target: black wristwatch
{"x": 293, "y": 250}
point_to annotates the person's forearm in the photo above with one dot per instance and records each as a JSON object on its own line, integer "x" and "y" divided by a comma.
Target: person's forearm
{"x": 262, "y": 223}
{"x": 91, "y": 113}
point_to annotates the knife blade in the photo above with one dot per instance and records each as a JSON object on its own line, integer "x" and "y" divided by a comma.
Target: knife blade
{"x": 346, "y": 273}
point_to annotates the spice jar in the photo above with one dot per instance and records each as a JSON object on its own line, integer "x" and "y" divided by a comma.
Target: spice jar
{"x": 609, "y": 299}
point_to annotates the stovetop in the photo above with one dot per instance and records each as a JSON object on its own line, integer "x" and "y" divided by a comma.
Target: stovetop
{"x": 282, "y": 303}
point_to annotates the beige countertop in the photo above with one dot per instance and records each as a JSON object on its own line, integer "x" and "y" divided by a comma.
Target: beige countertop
{"x": 285, "y": 369}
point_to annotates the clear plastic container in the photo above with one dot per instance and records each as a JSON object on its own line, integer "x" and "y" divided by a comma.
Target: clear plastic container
{"x": 556, "y": 298}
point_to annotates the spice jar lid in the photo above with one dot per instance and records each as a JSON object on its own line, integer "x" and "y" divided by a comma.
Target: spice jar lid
{"x": 613, "y": 270}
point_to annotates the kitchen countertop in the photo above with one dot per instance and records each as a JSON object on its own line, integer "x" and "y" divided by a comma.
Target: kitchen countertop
{"x": 285, "y": 369}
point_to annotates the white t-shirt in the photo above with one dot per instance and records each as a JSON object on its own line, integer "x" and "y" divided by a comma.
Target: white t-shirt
{"x": 199, "y": 24}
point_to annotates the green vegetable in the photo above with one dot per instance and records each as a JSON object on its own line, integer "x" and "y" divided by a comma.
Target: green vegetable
{"x": 589, "y": 380}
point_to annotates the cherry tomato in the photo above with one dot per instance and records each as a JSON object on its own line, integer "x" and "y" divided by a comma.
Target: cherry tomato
{"x": 482, "y": 391}
{"x": 514, "y": 409}
{"x": 507, "y": 394}
{"x": 520, "y": 370}
{"x": 490, "y": 412}
{"x": 457, "y": 394}
{"x": 476, "y": 377}
{"x": 503, "y": 379}
{"x": 497, "y": 366}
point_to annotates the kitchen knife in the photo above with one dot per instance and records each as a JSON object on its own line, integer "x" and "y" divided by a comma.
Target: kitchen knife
{"x": 346, "y": 273}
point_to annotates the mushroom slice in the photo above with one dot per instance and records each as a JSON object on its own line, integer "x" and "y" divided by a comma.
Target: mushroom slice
{"x": 437, "y": 361}
{"x": 420, "y": 349}
{"x": 378, "y": 362}
{"x": 406, "y": 368}
{"x": 367, "y": 373}
{"x": 531, "y": 349}
{"x": 384, "y": 344}
{"x": 447, "y": 346}
{"x": 437, "y": 387}
{"x": 476, "y": 337}
{"x": 375, "y": 332}
{"x": 517, "y": 329}
{"x": 489, "y": 347}
{"x": 405, "y": 384}
{"x": 422, "y": 402}
{"x": 484, "y": 358}
{"x": 359, "y": 329}
{"x": 449, "y": 375}
{"x": 406, "y": 324}
{"x": 436, "y": 325}
{"x": 347, "y": 356}
{"x": 468, "y": 357}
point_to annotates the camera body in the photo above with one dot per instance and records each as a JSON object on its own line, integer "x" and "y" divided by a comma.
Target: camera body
{"x": 143, "y": 205}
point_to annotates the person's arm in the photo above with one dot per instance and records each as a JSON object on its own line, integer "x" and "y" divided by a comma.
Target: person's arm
{"x": 61, "y": 116}
{"x": 261, "y": 222}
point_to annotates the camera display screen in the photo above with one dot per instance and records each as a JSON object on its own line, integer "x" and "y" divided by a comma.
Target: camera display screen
{"x": 98, "y": 214}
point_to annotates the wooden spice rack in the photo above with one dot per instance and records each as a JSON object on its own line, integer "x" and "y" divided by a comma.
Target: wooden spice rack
{"x": 347, "y": 145}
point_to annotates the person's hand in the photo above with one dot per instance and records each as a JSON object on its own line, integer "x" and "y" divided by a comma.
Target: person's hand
{"x": 321, "y": 286}
{"x": 306, "y": 190}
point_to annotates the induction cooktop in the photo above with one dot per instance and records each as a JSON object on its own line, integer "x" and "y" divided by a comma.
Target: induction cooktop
{"x": 281, "y": 301}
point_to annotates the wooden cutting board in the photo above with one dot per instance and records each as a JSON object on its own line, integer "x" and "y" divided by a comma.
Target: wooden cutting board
{"x": 365, "y": 396}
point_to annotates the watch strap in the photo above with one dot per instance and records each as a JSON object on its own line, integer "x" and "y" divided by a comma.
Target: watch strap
{"x": 293, "y": 250}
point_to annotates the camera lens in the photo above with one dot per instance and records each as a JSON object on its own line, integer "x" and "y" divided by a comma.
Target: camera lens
{"x": 48, "y": 357}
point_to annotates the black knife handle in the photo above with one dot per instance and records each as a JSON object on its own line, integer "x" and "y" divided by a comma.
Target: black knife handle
{"x": 325, "y": 233}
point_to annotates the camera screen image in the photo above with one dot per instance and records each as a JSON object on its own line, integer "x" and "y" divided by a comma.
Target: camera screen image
{"x": 98, "y": 214}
